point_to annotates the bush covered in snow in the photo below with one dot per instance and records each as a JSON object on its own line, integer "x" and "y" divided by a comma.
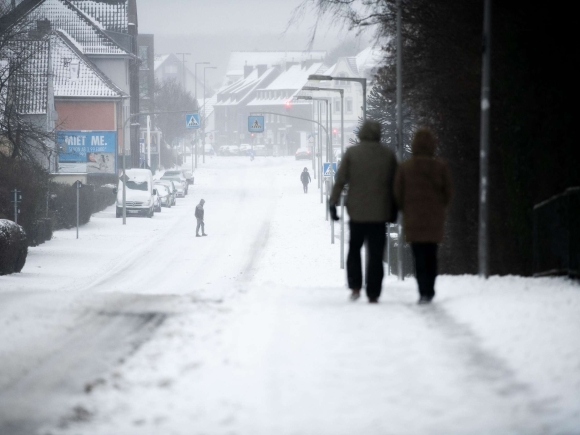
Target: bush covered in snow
{"x": 63, "y": 203}
{"x": 13, "y": 247}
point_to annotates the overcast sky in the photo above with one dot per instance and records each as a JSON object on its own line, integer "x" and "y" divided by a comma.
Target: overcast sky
{"x": 210, "y": 29}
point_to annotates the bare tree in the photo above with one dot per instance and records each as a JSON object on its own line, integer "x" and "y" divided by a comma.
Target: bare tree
{"x": 26, "y": 107}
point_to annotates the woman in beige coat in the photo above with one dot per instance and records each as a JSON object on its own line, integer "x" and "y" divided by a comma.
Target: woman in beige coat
{"x": 423, "y": 192}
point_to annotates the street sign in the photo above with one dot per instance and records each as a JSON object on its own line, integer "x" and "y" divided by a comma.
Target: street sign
{"x": 327, "y": 170}
{"x": 255, "y": 124}
{"x": 192, "y": 121}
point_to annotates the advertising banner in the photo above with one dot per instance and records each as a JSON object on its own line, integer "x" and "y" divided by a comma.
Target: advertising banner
{"x": 87, "y": 151}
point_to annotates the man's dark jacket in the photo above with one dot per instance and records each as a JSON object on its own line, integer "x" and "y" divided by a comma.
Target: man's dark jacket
{"x": 369, "y": 170}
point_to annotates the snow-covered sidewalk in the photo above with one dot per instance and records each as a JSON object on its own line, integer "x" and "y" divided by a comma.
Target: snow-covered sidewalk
{"x": 259, "y": 337}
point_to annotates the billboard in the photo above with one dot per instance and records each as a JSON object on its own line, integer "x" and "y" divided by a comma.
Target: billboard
{"x": 87, "y": 151}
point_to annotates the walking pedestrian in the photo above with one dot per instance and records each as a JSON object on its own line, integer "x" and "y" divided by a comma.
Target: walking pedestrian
{"x": 199, "y": 215}
{"x": 369, "y": 170}
{"x": 423, "y": 192}
{"x": 305, "y": 178}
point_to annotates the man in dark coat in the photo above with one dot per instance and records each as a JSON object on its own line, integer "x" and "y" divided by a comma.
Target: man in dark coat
{"x": 199, "y": 213}
{"x": 305, "y": 178}
{"x": 423, "y": 192}
{"x": 369, "y": 170}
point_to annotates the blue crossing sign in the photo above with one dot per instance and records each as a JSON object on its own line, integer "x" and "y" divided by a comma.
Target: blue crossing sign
{"x": 192, "y": 120}
{"x": 255, "y": 124}
{"x": 327, "y": 170}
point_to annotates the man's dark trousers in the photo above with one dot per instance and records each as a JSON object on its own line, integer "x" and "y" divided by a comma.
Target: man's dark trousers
{"x": 374, "y": 234}
{"x": 425, "y": 255}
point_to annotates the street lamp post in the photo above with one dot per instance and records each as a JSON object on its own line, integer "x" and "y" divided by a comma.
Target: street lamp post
{"x": 400, "y": 236}
{"x": 203, "y": 116}
{"x": 362, "y": 81}
{"x": 341, "y": 92}
{"x": 323, "y": 100}
{"x": 195, "y": 96}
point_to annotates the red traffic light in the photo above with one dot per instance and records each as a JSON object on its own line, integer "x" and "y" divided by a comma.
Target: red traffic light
{"x": 288, "y": 104}
{"x": 334, "y": 130}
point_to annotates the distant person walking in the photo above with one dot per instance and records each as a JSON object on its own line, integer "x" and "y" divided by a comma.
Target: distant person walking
{"x": 369, "y": 170}
{"x": 423, "y": 192}
{"x": 199, "y": 213}
{"x": 305, "y": 178}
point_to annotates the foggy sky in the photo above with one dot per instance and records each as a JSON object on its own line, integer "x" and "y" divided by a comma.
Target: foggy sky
{"x": 210, "y": 29}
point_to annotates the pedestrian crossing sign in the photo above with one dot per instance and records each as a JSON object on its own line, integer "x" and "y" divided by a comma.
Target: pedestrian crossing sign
{"x": 328, "y": 170}
{"x": 255, "y": 124}
{"x": 192, "y": 121}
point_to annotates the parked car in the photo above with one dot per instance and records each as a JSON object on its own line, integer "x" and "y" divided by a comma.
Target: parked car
{"x": 180, "y": 182}
{"x": 260, "y": 150}
{"x": 139, "y": 199}
{"x": 165, "y": 196}
{"x": 303, "y": 153}
{"x": 172, "y": 190}
{"x": 244, "y": 149}
{"x": 156, "y": 201}
{"x": 184, "y": 172}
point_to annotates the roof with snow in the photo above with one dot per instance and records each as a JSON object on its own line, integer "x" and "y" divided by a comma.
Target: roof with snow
{"x": 64, "y": 15}
{"x": 238, "y": 59}
{"x": 241, "y": 90}
{"x": 207, "y": 106}
{"x": 74, "y": 75}
{"x": 286, "y": 85}
{"x": 110, "y": 14}
{"x": 364, "y": 64}
{"x": 30, "y": 88}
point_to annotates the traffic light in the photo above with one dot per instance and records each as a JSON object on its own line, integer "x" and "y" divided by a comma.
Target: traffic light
{"x": 288, "y": 104}
{"x": 334, "y": 131}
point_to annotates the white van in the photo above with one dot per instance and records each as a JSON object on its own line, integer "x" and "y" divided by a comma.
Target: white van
{"x": 139, "y": 193}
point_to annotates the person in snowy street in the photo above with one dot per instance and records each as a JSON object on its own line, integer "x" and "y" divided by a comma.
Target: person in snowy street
{"x": 199, "y": 213}
{"x": 369, "y": 170}
{"x": 423, "y": 192}
{"x": 305, "y": 178}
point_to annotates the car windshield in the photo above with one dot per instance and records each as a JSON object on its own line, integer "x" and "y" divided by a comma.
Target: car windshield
{"x": 161, "y": 189}
{"x": 170, "y": 173}
{"x": 137, "y": 185}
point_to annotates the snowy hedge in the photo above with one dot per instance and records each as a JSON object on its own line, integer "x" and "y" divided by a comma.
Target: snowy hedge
{"x": 13, "y": 247}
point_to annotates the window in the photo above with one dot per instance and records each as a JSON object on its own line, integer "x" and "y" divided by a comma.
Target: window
{"x": 337, "y": 105}
{"x": 171, "y": 69}
{"x": 348, "y": 104}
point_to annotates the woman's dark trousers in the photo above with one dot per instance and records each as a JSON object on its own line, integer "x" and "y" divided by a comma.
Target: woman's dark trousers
{"x": 305, "y": 187}
{"x": 425, "y": 255}
{"x": 374, "y": 234}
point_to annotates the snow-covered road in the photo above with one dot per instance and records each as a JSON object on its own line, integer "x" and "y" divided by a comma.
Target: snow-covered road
{"x": 146, "y": 329}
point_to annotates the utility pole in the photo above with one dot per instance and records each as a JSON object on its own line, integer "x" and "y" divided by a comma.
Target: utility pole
{"x": 484, "y": 143}
{"x": 202, "y": 114}
{"x": 400, "y": 240}
{"x": 183, "y": 78}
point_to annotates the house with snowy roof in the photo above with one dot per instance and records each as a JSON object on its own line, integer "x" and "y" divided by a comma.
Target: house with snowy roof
{"x": 231, "y": 101}
{"x": 238, "y": 60}
{"x": 100, "y": 34}
{"x": 86, "y": 100}
{"x": 285, "y": 135}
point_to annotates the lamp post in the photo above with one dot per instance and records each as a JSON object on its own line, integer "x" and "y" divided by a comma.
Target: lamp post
{"x": 484, "y": 144}
{"x": 341, "y": 92}
{"x": 400, "y": 236}
{"x": 324, "y": 100}
{"x": 183, "y": 68}
{"x": 362, "y": 81}
{"x": 195, "y": 96}
{"x": 203, "y": 115}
